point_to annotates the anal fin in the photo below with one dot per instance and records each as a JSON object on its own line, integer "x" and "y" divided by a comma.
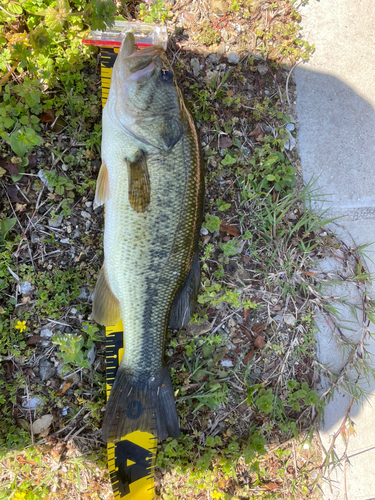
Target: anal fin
{"x": 106, "y": 308}
{"x": 185, "y": 299}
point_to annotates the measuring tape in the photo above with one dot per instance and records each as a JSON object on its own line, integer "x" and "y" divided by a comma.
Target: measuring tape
{"x": 131, "y": 461}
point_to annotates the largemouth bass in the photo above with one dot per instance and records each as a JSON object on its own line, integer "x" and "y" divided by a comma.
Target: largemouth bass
{"x": 151, "y": 181}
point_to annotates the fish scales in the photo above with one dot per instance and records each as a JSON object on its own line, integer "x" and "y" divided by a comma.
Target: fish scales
{"x": 152, "y": 184}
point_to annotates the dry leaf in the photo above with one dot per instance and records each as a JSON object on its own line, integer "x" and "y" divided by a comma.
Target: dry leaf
{"x": 20, "y": 207}
{"x": 259, "y": 343}
{"x": 248, "y": 357}
{"x": 2, "y": 171}
{"x": 33, "y": 340}
{"x": 257, "y": 131}
{"x": 270, "y": 486}
{"x": 258, "y": 329}
{"x": 42, "y": 424}
{"x": 13, "y": 192}
{"x": 48, "y": 116}
{"x": 308, "y": 273}
{"x": 64, "y": 388}
{"x": 223, "y": 142}
{"x": 225, "y": 227}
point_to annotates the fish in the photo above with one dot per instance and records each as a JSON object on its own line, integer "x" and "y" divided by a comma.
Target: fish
{"x": 152, "y": 184}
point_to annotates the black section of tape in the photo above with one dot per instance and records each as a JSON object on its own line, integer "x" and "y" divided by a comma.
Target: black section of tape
{"x": 124, "y": 474}
{"x": 114, "y": 342}
{"x": 108, "y": 57}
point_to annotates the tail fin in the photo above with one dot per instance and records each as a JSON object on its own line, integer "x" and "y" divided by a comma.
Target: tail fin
{"x": 139, "y": 403}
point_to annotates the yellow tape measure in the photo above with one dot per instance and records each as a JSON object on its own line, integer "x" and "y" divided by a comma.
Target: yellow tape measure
{"x": 131, "y": 461}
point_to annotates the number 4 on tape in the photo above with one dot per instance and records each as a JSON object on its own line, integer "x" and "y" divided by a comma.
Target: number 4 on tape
{"x": 131, "y": 461}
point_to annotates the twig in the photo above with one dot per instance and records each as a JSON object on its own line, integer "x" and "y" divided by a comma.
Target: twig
{"x": 31, "y": 420}
{"x": 287, "y": 81}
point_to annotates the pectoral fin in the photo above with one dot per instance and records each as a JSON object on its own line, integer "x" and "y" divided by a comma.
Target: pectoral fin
{"x": 102, "y": 186}
{"x": 139, "y": 183}
{"x": 184, "y": 301}
{"x": 106, "y": 308}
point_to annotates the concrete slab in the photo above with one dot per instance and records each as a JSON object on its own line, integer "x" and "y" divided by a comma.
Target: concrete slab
{"x": 336, "y": 113}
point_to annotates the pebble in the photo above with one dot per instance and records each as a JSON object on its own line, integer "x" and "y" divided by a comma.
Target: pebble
{"x": 65, "y": 241}
{"x": 33, "y": 403}
{"x": 210, "y": 75}
{"x": 88, "y": 203}
{"x": 46, "y": 369}
{"x": 212, "y": 59}
{"x": 224, "y": 34}
{"x": 55, "y": 223}
{"x": 194, "y": 63}
{"x": 25, "y": 287}
{"x": 291, "y": 143}
{"x": 204, "y": 231}
{"x": 290, "y": 127}
{"x": 42, "y": 176}
{"x": 91, "y": 354}
{"x": 84, "y": 294}
{"x": 76, "y": 234}
{"x": 262, "y": 69}
{"x": 233, "y": 58}
{"x": 85, "y": 215}
{"x": 46, "y": 333}
{"x": 289, "y": 319}
{"x": 69, "y": 229}
{"x": 34, "y": 238}
{"x": 226, "y": 362}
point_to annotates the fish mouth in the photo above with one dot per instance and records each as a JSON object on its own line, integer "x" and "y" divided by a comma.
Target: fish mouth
{"x": 137, "y": 64}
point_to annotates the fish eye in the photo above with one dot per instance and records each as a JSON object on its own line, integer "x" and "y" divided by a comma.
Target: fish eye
{"x": 166, "y": 76}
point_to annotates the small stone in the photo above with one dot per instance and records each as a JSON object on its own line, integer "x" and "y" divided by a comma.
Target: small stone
{"x": 198, "y": 329}
{"x": 290, "y": 127}
{"x": 204, "y": 231}
{"x": 226, "y": 362}
{"x": 65, "y": 241}
{"x": 194, "y": 63}
{"x": 212, "y": 59}
{"x": 233, "y": 58}
{"x": 46, "y": 333}
{"x": 91, "y": 354}
{"x": 42, "y": 176}
{"x": 224, "y": 34}
{"x": 55, "y": 222}
{"x": 84, "y": 294}
{"x": 85, "y": 215}
{"x": 76, "y": 234}
{"x": 46, "y": 369}
{"x": 262, "y": 69}
{"x": 219, "y": 7}
{"x": 42, "y": 424}
{"x": 69, "y": 229}
{"x": 289, "y": 319}
{"x": 220, "y": 50}
{"x": 73, "y": 310}
{"x": 34, "y": 238}
{"x": 291, "y": 143}
{"x": 25, "y": 287}
{"x": 210, "y": 75}
{"x": 88, "y": 204}
{"x": 33, "y": 403}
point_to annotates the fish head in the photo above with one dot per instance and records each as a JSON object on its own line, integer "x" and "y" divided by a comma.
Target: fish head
{"x": 143, "y": 100}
